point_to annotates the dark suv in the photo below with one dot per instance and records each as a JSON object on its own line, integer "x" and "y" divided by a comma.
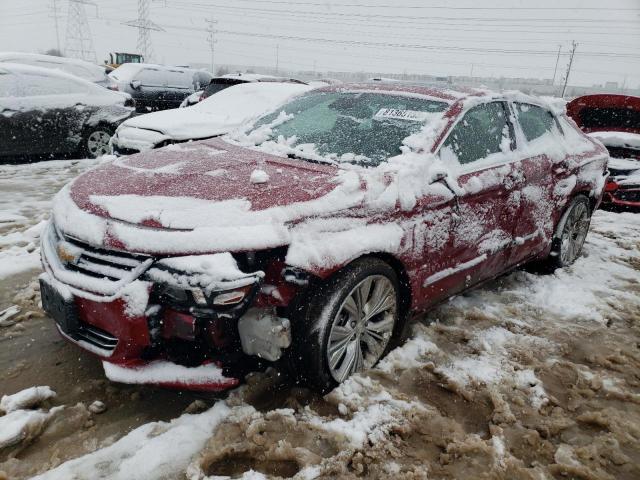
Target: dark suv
{"x": 157, "y": 87}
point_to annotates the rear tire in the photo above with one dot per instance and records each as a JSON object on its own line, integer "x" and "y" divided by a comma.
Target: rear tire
{"x": 347, "y": 324}
{"x": 570, "y": 234}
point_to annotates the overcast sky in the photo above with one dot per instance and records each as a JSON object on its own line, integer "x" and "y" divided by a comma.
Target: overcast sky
{"x": 517, "y": 38}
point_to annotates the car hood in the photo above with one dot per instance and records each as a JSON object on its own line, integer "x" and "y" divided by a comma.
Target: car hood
{"x": 201, "y": 196}
{"x": 215, "y": 115}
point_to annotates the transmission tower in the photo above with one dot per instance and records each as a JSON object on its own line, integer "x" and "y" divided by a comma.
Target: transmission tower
{"x": 144, "y": 26}
{"x": 78, "y": 42}
{"x": 212, "y": 40}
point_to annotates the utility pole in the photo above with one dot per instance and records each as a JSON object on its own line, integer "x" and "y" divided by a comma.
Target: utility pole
{"x": 212, "y": 40}
{"x": 555, "y": 70}
{"x": 574, "y": 45}
{"x": 277, "y": 56}
{"x": 144, "y": 26}
{"x": 78, "y": 42}
{"x": 55, "y": 22}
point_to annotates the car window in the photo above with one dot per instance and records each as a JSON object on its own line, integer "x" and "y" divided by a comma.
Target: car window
{"x": 37, "y": 85}
{"x": 351, "y": 127}
{"x": 217, "y": 85}
{"x": 151, "y": 77}
{"x": 178, "y": 79}
{"x": 535, "y": 121}
{"x": 8, "y": 85}
{"x": 483, "y": 131}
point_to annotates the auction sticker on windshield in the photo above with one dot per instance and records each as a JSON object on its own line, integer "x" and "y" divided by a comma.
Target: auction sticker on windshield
{"x": 397, "y": 114}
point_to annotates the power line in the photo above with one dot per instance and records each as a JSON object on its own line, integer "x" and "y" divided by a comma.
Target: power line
{"x": 144, "y": 26}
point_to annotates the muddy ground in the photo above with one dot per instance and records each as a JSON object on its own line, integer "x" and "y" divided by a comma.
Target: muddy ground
{"x": 528, "y": 377}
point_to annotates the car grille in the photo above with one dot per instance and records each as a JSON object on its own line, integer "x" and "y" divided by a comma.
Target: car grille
{"x": 96, "y": 337}
{"x": 107, "y": 264}
{"x": 88, "y": 268}
{"x": 628, "y": 195}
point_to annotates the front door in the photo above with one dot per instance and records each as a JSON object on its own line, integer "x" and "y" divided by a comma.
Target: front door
{"x": 480, "y": 148}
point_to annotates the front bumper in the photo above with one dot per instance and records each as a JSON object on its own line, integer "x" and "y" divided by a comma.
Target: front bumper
{"x": 107, "y": 303}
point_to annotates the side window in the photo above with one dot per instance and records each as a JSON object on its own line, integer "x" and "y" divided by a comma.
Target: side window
{"x": 8, "y": 85}
{"x": 535, "y": 121}
{"x": 150, "y": 77}
{"x": 37, "y": 85}
{"x": 178, "y": 79}
{"x": 483, "y": 131}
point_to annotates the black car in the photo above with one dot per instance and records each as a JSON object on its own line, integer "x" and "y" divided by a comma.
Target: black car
{"x": 157, "y": 87}
{"x": 46, "y": 113}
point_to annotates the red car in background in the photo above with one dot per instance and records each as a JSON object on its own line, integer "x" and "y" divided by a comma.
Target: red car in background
{"x": 615, "y": 121}
{"x": 311, "y": 240}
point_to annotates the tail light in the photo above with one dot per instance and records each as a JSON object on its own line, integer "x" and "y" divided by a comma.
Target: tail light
{"x": 113, "y": 87}
{"x": 611, "y": 186}
{"x": 202, "y": 97}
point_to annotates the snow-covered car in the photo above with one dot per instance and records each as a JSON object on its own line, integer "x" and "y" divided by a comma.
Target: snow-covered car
{"x": 614, "y": 120}
{"x": 157, "y": 87}
{"x": 212, "y": 117}
{"x": 79, "y": 68}
{"x": 310, "y": 239}
{"x": 192, "y": 99}
{"x": 46, "y": 113}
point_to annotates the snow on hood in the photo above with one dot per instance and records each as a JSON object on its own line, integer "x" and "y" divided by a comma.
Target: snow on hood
{"x": 618, "y": 139}
{"x": 217, "y": 114}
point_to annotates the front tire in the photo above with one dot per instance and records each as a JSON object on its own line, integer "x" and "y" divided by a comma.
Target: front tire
{"x": 347, "y": 325}
{"x": 96, "y": 142}
{"x": 570, "y": 234}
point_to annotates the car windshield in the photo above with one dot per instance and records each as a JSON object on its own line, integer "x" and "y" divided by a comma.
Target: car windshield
{"x": 354, "y": 127}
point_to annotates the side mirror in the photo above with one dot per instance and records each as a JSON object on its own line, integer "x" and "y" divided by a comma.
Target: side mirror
{"x": 135, "y": 84}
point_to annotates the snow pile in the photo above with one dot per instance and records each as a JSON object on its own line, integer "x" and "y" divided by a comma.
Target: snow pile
{"x": 152, "y": 451}
{"x": 165, "y": 372}
{"x": 20, "y": 425}
{"x": 259, "y": 176}
{"x": 26, "y": 398}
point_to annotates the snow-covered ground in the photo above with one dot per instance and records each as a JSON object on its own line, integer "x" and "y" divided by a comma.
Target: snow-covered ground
{"x": 530, "y": 377}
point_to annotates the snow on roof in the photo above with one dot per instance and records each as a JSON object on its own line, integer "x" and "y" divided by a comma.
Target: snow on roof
{"x": 87, "y": 70}
{"x": 20, "y": 68}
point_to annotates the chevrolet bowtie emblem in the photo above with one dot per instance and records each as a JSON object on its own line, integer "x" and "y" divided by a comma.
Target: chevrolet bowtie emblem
{"x": 66, "y": 255}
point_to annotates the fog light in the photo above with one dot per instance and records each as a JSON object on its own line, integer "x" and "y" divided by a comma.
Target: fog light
{"x": 232, "y": 297}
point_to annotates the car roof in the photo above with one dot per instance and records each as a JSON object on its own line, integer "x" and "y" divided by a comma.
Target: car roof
{"x": 247, "y": 77}
{"x": 9, "y": 56}
{"x": 446, "y": 94}
{"x": 21, "y": 68}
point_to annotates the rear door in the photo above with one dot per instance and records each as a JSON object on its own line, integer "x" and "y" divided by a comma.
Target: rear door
{"x": 540, "y": 146}
{"x": 150, "y": 94}
{"x": 480, "y": 147}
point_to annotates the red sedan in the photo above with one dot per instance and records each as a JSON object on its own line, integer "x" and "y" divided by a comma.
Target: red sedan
{"x": 311, "y": 239}
{"x": 615, "y": 121}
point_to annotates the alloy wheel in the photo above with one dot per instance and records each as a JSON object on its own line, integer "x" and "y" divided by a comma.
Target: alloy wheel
{"x": 574, "y": 232}
{"x": 362, "y": 327}
{"x": 98, "y": 143}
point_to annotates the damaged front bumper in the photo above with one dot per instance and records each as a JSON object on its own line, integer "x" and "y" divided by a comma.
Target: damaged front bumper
{"x": 174, "y": 322}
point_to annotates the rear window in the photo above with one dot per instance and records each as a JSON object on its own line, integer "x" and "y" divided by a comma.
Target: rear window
{"x": 219, "y": 84}
{"x": 610, "y": 118}
{"x": 535, "y": 121}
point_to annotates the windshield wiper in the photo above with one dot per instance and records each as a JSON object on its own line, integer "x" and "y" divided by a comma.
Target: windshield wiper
{"x": 307, "y": 159}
